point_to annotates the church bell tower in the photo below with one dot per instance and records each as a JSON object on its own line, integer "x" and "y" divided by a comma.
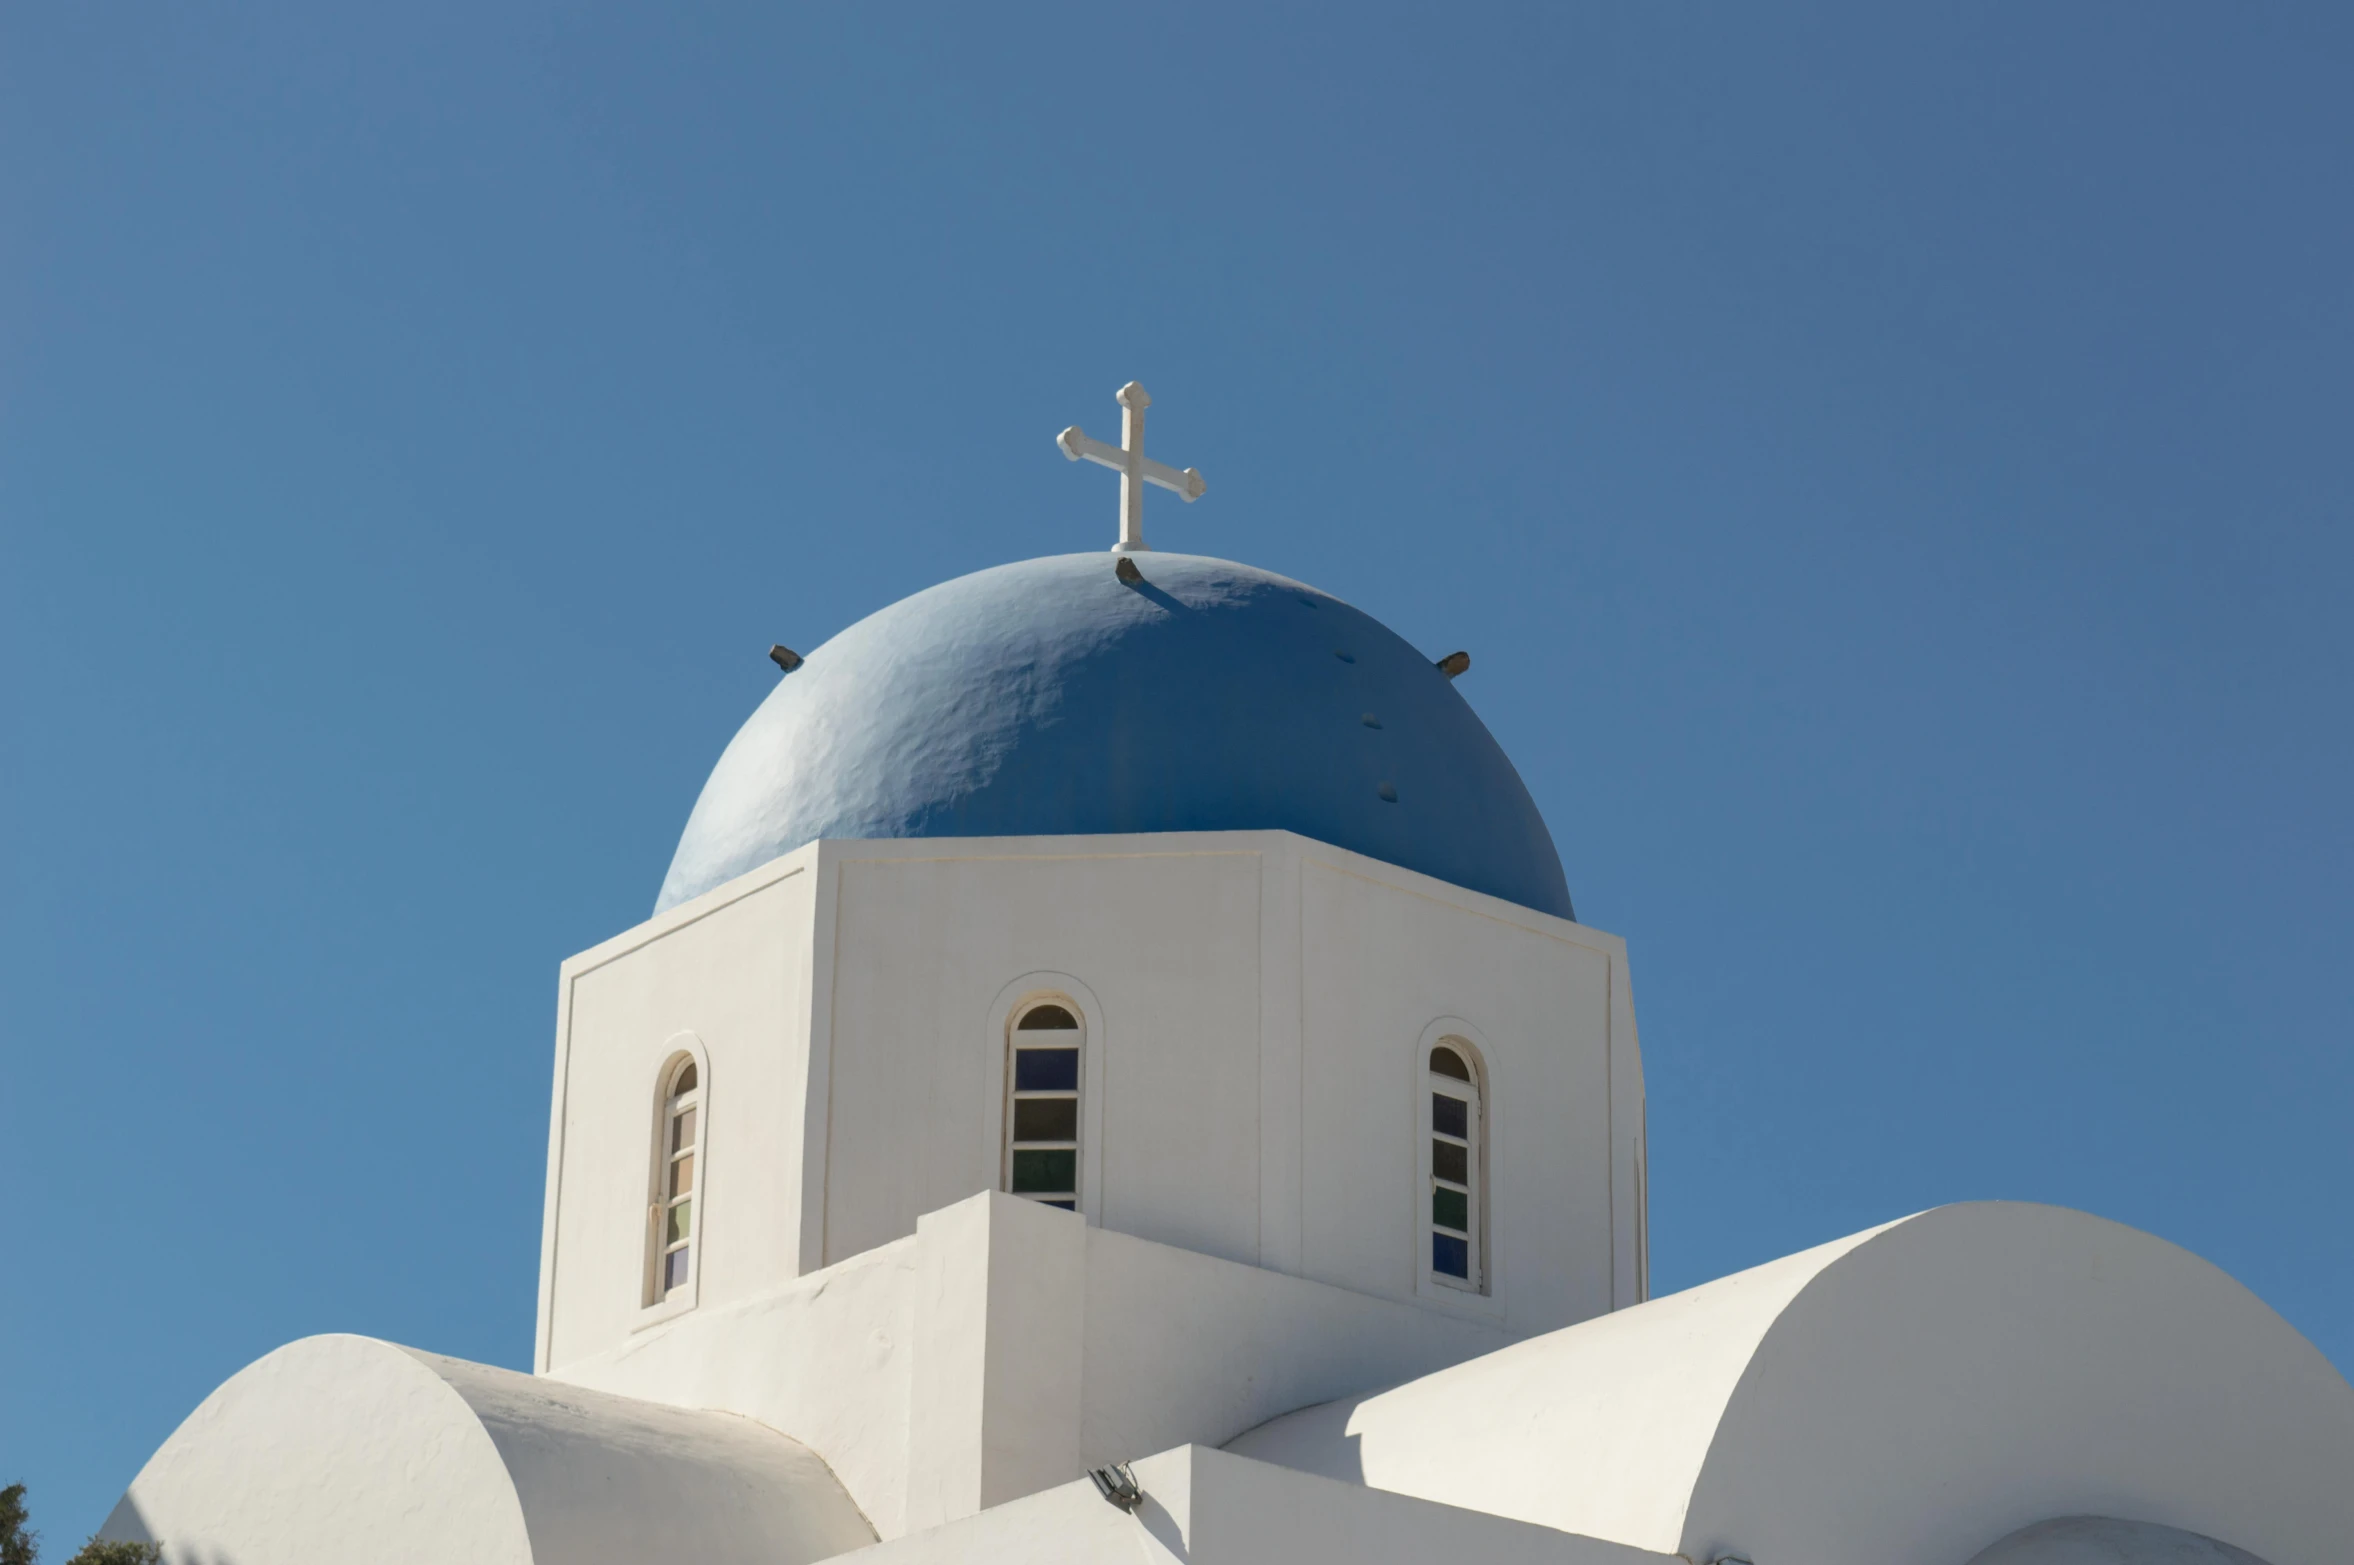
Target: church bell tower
{"x": 1089, "y": 932}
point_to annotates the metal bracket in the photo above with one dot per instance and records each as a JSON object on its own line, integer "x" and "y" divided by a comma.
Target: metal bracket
{"x": 1117, "y": 1484}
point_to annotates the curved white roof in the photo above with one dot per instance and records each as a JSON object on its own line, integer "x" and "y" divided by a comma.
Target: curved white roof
{"x": 367, "y": 1453}
{"x": 1912, "y": 1393}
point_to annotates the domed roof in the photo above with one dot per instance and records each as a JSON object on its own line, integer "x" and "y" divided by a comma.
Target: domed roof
{"x": 1049, "y": 697}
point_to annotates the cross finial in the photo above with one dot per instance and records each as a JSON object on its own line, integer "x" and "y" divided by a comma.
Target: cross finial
{"x": 1127, "y": 458}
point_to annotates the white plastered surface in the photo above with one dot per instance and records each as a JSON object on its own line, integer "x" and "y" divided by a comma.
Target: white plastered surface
{"x": 366, "y": 1453}
{"x": 1910, "y": 1394}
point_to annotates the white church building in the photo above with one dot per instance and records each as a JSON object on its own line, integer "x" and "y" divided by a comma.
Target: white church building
{"x": 1114, "y": 1075}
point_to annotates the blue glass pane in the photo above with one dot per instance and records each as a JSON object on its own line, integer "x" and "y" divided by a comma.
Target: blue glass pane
{"x": 1068, "y": 1206}
{"x": 674, "y": 1270}
{"x": 1450, "y": 1257}
{"x": 1046, "y": 1070}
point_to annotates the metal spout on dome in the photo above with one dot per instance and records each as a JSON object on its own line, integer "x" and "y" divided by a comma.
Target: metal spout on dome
{"x": 1128, "y": 460}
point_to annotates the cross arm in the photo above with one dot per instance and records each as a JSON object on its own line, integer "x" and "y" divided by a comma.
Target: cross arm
{"x": 1188, "y": 485}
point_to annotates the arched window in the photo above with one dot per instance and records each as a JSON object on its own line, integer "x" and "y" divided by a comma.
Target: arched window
{"x": 678, "y": 1133}
{"x": 1042, "y": 1105}
{"x": 1455, "y": 1166}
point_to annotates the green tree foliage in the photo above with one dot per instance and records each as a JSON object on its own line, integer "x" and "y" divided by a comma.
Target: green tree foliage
{"x": 20, "y": 1545}
{"x": 114, "y": 1551}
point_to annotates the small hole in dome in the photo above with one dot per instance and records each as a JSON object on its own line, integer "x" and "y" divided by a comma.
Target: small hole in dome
{"x": 1388, "y": 791}
{"x": 1307, "y": 603}
{"x": 1345, "y": 657}
{"x": 1371, "y": 721}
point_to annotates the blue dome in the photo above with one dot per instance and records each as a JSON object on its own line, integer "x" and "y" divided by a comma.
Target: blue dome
{"x": 1047, "y": 697}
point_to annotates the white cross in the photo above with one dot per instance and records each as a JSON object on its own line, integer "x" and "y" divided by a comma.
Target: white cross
{"x": 1128, "y": 460}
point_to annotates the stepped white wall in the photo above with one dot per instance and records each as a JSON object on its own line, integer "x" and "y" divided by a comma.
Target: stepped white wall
{"x": 1258, "y": 1008}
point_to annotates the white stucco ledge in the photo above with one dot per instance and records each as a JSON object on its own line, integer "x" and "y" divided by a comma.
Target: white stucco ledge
{"x": 1208, "y": 1507}
{"x": 1907, "y": 1396}
{"x": 367, "y": 1453}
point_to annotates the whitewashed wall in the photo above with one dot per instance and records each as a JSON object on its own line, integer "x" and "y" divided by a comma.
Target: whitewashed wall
{"x": 1205, "y": 1507}
{"x": 729, "y": 980}
{"x": 1258, "y": 1008}
{"x": 929, "y": 953}
{"x": 1006, "y": 1346}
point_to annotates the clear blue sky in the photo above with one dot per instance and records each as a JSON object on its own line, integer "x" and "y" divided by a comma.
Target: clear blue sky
{"x": 1890, "y": 471}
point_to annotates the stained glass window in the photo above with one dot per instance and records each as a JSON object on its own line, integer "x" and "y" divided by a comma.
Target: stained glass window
{"x": 1454, "y": 1167}
{"x": 1042, "y": 1107}
{"x": 674, "y": 1185}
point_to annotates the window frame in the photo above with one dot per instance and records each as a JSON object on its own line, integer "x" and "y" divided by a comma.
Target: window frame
{"x": 1476, "y": 1294}
{"x": 1014, "y": 1095}
{"x": 992, "y": 1037}
{"x": 657, "y": 1303}
{"x": 1468, "y": 1091}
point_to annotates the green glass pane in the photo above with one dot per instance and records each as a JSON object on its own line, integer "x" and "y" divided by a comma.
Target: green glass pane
{"x": 1450, "y": 1209}
{"x": 681, "y": 1218}
{"x": 1045, "y": 1172}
